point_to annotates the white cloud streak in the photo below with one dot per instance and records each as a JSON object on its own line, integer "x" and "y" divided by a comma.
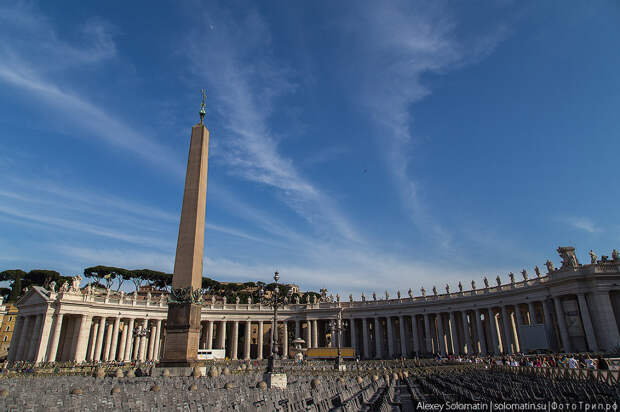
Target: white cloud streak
{"x": 34, "y": 53}
{"x": 245, "y": 82}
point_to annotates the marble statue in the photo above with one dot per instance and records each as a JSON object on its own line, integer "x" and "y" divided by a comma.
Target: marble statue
{"x": 435, "y": 290}
{"x": 410, "y": 293}
{"x": 398, "y": 294}
{"x": 65, "y": 287}
{"x": 363, "y": 297}
{"x": 338, "y": 297}
{"x": 237, "y": 299}
{"x": 122, "y": 296}
{"x": 162, "y": 298}
{"x": 569, "y": 259}
{"x": 134, "y": 295}
{"x": 592, "y": 257}
{"x": 486, "y": 282}
{"x": 323, "y": 294}
{"x": 52, "y": 286}
{"x": 423, "y": 291}
{"x": 447, "y": 289}
{"x": 75, "y": 286}
{"x": 225, "y": 300}
{"x": 387, "y": 295}
{"x": 499, "y": 280}
{"x": 213, "y": 300}
{"x": 148, "y": 296}
{"x": 331, "y": 298}
{"x": 549, "y": 265}
{"x": 350, "y": 297}
{"x": 537, "y": 271}
{"x": 460, "y": 285}
{"x": 512, "y": 277}
{"x": 250, "y": 299}
{"x": 374, "y": 296}
{"x": 614, "y": 255}
{"x": 524, "y": 274}
{"x": 314, "y": 299}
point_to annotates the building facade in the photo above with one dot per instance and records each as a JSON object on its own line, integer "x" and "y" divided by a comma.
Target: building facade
{"x": 573, "y": 308}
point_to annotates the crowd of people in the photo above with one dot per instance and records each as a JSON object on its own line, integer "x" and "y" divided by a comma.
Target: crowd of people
{"x": 572, "y": 361}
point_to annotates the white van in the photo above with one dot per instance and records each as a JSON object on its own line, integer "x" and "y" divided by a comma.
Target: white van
{"x": 205, "y": 354}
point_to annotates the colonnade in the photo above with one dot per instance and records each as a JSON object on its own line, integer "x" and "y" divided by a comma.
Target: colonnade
{"x": 572, "y": 309}
{"x": 72, "y": 337}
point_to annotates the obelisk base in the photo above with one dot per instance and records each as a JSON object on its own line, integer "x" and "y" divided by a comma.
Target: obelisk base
{"x": 182, "y": 335}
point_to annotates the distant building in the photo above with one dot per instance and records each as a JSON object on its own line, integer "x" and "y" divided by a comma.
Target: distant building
{"x": 8, "y": 314}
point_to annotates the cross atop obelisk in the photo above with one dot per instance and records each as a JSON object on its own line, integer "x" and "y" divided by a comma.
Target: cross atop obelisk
{"x": 183, "y": 324}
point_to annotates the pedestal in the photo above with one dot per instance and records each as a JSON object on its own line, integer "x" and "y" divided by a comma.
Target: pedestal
{"x": 276, "y": 380}
{"x": 182, "y": 335}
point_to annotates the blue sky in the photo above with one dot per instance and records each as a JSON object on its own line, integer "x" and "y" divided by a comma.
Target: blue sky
{"x": 357, "y": 146}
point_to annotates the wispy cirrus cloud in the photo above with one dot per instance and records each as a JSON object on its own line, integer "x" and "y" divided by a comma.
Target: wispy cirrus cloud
{"x": 396, "y": 44}
{"x": 582, "y": 223}
{"x": 245, "y": 82}
{"x": 34, "y": 56}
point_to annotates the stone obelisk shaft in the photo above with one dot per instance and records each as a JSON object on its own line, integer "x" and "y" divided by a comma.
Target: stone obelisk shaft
{"x": 183, "y": 323}
{"x": 190, "y": 245}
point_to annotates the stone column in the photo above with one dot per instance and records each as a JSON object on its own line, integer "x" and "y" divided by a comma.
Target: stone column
{"x": 16, "y": 341}
{"x": 427, "y": 334}
{"x": 532, "y": 312}
{"x": 248, "y": 340}
{"x": 297, "y": 329}
{"x": 468, "y": 344}
{"x": 82, "y": 340}
{"x": 378, "y": 339}
{"x": 55, "y": 338}
{"x": 24, "y": 342}
{"x": 605, "y": 325}
{"x": 353, "y": 335}
{"x": 108, "y": 342}
{"x": 123, "y": 343}
{"x": 549, "y": 324}
{"x": 285, "y": 340}
{"x": 390, "y": 333}
{"x": 129, "y": 340}
{"x": 136, "y": 344}
{"x": 100, "y": 333}
{"x": 260, "y": 340}
{"x": 403, "y": 336}
{"x": 74, "y": 337}
{"x": 221, "y": 335}
{"x": 46, "y": 327}
{"x": 158, "y": 339}
{"x": 209, "y": 334}
{"x": 494, "y": 334}
{"x": 34, "y": 340}
{"x": 315, "y": 333}
{"x": 235, "y": 340}
{"x": 507, "y": 339}
{"x": 518, "y": 330}
{"x": 587, "y": 323}
{"x": 415, "y": 336}
{"x": 441, "y": 335}
{"x": 145, "y": 326}
{"x": 151, "y": 338}
{"x": 481, "y": 334}
{"x": 117, "y": 322}
{"x": 309, "y": 334}
{"x": 559, "y": 311}
{"x": 365, "y": 339}
{"x": 455, "y": 346}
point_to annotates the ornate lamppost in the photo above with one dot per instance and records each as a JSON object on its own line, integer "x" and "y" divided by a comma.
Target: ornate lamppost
{"x": 275, "y": 300}
{"x": 337, "y": 326}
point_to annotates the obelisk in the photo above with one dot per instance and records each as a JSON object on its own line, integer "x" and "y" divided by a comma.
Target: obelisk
{"x": 183, "y": 323}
